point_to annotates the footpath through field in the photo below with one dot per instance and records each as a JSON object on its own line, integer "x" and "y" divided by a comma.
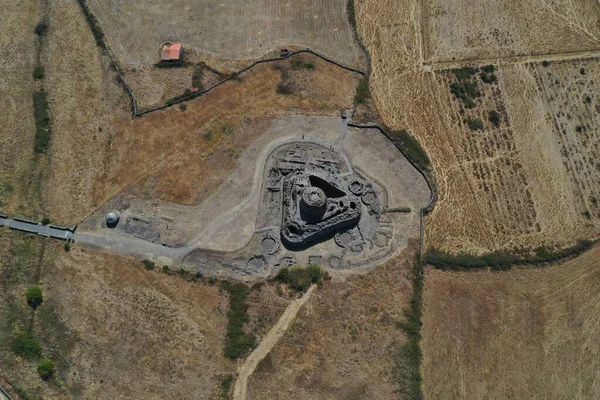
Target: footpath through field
{"x": 267, "y": 344}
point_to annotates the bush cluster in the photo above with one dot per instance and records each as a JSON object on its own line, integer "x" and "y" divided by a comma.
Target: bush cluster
{"x": 500, "y": 260}
{"x": 38, "y": 72}
{"x": 34, "y": 296}
{"x": 475, "y": 124}
{"x": 45, "y": 368}
{"x": 149, "y": 265}
{"x": 42, "y": 121}
{"x": 26, "y": 347}
{"x": 238, "y": 342}
{"x": 495, "y": 118}
{"x": 41, "y": 28}
{"x": 300, "y": 279}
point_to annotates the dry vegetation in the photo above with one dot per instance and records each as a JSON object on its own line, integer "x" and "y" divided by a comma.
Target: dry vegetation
{"x": 466, "y": 30}
{"x": 17, "y": 161}
{"x": 499, "y": 187}
{"x": 233, "y": 29}
{"x": 527, "y": 333}
{"x": 343, "y": 343}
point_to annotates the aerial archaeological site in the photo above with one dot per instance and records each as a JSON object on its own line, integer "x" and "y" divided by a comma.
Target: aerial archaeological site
{"x": 335, "y": 199}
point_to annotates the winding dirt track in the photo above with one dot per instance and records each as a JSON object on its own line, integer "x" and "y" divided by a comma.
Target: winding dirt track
{"x": 267, "y": 344}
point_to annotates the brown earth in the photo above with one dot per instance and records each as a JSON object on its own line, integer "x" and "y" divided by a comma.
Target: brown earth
{"x": 525, "y": 333}
{"x": 500, "y": 188}
{"x": 342, "y": 342}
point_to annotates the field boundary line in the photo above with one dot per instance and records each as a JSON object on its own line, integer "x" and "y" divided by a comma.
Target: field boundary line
{"x": 527, "y": 59}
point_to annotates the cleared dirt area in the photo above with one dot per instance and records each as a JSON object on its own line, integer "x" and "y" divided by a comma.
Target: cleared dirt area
{"x": 341, "y": 344}
{"x": 17, "y": 49}
{"x": 501, "y": 187}
{"x": 465, "y": 30}
{"x": 233, "y": 29}
{"x": 526, "y": 333}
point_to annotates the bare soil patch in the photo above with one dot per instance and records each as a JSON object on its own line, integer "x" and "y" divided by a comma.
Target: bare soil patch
{"x": 530, "y": 332}
{"x": 238, "y": 30}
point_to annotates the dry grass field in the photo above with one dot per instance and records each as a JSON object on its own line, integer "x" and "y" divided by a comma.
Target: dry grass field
{"x": 17, "y": 164}
{"x": 466, "y": 30}
{"x": 343, "y": 341}
{"x": 502, "y": 187}
{"x": 527, "y": 333}
{"x": 233, "y": 29}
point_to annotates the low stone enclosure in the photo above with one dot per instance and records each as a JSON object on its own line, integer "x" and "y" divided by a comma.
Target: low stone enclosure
{"x": 310, "y": 190}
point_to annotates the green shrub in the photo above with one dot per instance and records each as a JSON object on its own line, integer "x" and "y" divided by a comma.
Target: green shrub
{"x": 475, "y": 124}
{"x": 208, "y": 135}
{"x": 45, "y": 221}
{"x": 67, "y": 246}
{"x": 464, "y": 73}
{"x": 34, "y": 296}
{"x": 300, "y": 279}
{"x": 546, "y": 63}
{"x": 42, "y": 121}
{"x": 226, "y": 382}
{"x": 362, "y": 91}
{"x": 495, "y": 118}
{"x": 238, "y": 342}
{"x": 488, "y": 69}
{"x": 45, "y": 368}
{"x": 93, "y": 22}
{"x": 488, "y": 78}
{"x": 26, "y": 347}
{"x": 149, "y": 265}
{"x": 183, "y": 107}
{"x": 38, "y": 72}
{"x": 41, "y": 28}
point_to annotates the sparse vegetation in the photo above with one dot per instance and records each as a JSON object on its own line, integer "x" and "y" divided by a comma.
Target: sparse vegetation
{"x": 27, "y": 347}
{"x": 298, "y": 63}
{"x": 300, "y": 279}
{"x": 412, "y": 148}
{"x": 45, "y": 368}
{"x": 362, "y": 91}
{"x": 197, "y": 77}
{"x": 238, "y": 342}
{"x": 207, "y": 135}
{"x": 42, "y": 121}
{"x": 499, "y": 260}
{"x": 93, "y": 22}
{"x": 226, "y": 382}
{"x": 34, "y": 296}
{"x": 406, "y": 357}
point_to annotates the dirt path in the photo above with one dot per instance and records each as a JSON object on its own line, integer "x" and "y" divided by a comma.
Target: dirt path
{"x": 265, "y": 346}
{"x": 515, "y": 59}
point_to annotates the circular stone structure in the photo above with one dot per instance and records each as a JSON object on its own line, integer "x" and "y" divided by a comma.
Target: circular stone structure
{"x": 112, "y": 219}
{"x": 269, "y": 245}
{"x": 369, "y": 197}
{"x": 314, "y": 203}
{"x": 356, "y": 187}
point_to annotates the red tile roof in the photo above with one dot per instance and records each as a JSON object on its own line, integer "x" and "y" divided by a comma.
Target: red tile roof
{"x": 171, "y": 52}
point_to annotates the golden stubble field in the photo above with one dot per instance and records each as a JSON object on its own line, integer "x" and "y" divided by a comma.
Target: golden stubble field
{"x": 455, "y": 30}
{"x": 525, "y": 333}
{"x": 498, "y": 188}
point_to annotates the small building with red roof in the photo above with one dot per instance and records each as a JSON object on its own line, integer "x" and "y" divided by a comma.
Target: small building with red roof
{"x": 171, "y": 52}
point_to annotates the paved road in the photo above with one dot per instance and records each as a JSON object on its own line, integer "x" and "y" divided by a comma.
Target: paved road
{"x": 37, "y": 228}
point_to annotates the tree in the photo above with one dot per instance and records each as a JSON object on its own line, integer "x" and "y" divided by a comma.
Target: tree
{"x": 45, "y": 368}
{"x": 34, "y": 296}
